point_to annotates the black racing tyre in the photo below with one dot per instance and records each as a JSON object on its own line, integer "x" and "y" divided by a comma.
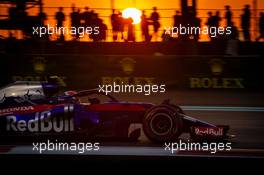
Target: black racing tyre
{"x": 162, "y": 124}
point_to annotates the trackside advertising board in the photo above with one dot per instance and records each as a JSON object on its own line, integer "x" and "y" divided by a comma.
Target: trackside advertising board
{"x": 180, "y": 72}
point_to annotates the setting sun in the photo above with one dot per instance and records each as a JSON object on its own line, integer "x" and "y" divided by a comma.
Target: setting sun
{"x": 134, "y": 13}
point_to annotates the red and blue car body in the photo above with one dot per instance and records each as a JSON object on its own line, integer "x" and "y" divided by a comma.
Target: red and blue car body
{"x": 38, "y": 109}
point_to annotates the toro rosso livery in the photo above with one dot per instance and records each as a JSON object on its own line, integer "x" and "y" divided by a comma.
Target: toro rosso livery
{"x": 36, "y": 108}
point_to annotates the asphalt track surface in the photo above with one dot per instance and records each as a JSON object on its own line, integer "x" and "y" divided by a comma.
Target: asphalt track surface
{"x": 242, "y": 111}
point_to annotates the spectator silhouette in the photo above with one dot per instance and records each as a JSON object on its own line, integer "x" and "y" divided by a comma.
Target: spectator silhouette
{"x": 93, "y": 17}
{"x": 97, "y": 22}
{"x": 210, "y": 22}
{"x": 120, "y": 24}
{"x": 155, "y": 21}
{"x": 87, "y": 17}
{"x": 245, "y": 22}
{"x": 216, "y": 19}
{"x": 103, "y": 30}
{"x": 21, "y": 11}
{"x": 12, "y": 12}
{"x": 193, "y": 21}
{"x": 197, "y": 23}
{"x": 234, "y": 32}
{"x": 60, "y": 17}
{"x": 130, "y": 30}
{"x": 228, "y": 16}
{"x": 145, "y": 27}
{"x": 177, "y": 20}
{"x": 115, "y": 24}
{"x": 42, "y": 17}
{"x": 18, "y": 14}
{"x": 213, "y": 21}
{"x": 261, "y": 26}
{"x": 75, "y": 20}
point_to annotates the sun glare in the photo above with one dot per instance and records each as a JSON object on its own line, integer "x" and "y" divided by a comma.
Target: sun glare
{"x": 133, "y": 13}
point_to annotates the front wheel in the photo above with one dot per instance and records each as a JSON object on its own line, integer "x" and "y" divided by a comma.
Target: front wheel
{"x": 162, "y": 124}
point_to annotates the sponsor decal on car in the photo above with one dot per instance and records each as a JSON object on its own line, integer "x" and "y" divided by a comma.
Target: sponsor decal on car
{"x": 16, "y": 109}
{"x": 30, "y": 109}
{"x": 201, "y": 131}
{"x": 42, "y": 121}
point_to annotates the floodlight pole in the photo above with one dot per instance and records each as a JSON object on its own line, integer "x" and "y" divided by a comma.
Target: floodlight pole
{"x": 112, "y": 4}
{"x": 255, "y": 9}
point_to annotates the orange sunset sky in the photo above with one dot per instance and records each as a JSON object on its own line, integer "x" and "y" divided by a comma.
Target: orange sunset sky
{"x": 150, "y": 3}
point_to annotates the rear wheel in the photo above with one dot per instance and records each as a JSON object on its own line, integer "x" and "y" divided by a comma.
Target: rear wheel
{"x": 162, "y": 123}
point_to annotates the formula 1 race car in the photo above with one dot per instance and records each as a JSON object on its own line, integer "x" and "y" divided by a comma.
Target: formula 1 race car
{"x": 37, "y": 108}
